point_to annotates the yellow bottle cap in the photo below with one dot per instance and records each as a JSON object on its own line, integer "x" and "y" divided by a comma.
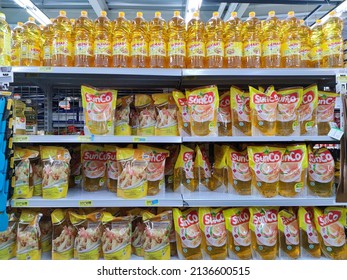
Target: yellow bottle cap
{"x": 291, "y": 14}
{"x": 196, "y": 14}
{"x": 177, "y": 13}
{"x": 62, "y": 13}
{"x": 139, "y": 14}
{"x": 157, "y": 14}
{"x": 251, "y": 14}
{"x": 2, "y": 15}
{"x": 121, "y": 14}
{"x": 302, "y": 22}
{"x": 318, "y": 21}
{"x": 72, "y": 21}
{"x": 84, "y": 13}
{"x": 51, "y": 19}
{"x": 332, "y": 13}
{"x": 19, "y": 23}
{"x": 215, "y": 14}
{"x": 31, "y": 19}
{"x": 103, "y": 14}
{"x": 234, "y": 14}
{"x": 272, "y": 14}
{"x": 42, "y": 26}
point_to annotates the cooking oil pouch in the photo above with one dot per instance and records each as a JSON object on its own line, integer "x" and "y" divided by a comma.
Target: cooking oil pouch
{"x": 203, "y": 106}
{"x": 63, "y": 236}
{"x": 155, "y": 168}
{"x": 112, "y": 168}
{"x": 75, "y": 166}
{"x": 46, "y": 231}
{"x": 132, "y": 179}
{"x": 94, "y": 162}
{"x": 202, "y": 168}
{"x": 183, "y": 116}
{"x": 264, "y": 231}
{"x": 29, "y": 236}
{"x": 8, "y": 238}
{"x": 321, "y": 172}
{"x": 308, "y": 111}
{"x": 188, "y": 234}
{"x": 287, "y": 111}
{"x": 240, "y": 112}
{"x": 325, "y": 111}
{"x": 310, "y": 244}
{"x": 134, "y": 121}
{"x": 263, "y": 111}
{"x": 99, "y": 110}
{"x": 170, "y": 165}
{"x": 122, "y": 116}
{"x": 219, "y": 171}
{"x": 89, "y": 232}
{"x": 214, "y": 234}
{"x": 293, "y": 171}
{"x": 173, "y": 245}
{"x": 330, "y": 225}
{"x": 147, "y": 115}
{"x": 265, "y": 163}
{"x": 239, "y": 234}
{"x": 138, "y": 231}
{"x": 56, "y": 172}
{"x": 184, "y": 178}
{"x": 224, "y": 115}
{"x": 156, "y": 245}
{"x": 166, "y": 124}
{"x": 289, "y": 234}
{"x": 239, "y": 172}
{"x": 116, "y": 238}
{"x": 37, "y": 167}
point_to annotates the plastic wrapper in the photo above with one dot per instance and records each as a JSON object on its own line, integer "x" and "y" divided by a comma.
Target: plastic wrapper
{"x": 219, "y": 171}
{"x": 170, "y": 165}
{"x": 46, "y": 230}
{"x": 173, "y": 246}
{"x": 240, "y": 112}
{"x": 183, "y": 116}
{"x": 325, "y": 111}
{"x": 112, "y": 168}
{"x": 308, "y": 111}
{"x": 37, "y": 167}
{"x": 224, "y": 115}
{"x": 202, "y": 168}
{"x": 75, "y": 166}
{"x": 8, "y": 239}
{"x": 134, "y": 121}
{"x": 147, "y": 115}
{"x": 122, "y": 117}
{"x": 138, "y": 231}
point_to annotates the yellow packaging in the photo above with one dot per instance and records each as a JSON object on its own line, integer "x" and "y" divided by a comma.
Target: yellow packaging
{"x": 134, "y": 121}
{"x": 219, "y": 171}
{"x": 173, "y": 245}
{"x": 147, "y": 115}
{"x": 289, "y": 234}
{"x": 240, "y": 112}
{"x": 224, "y": 115}
{"x": 99, "y": 110}
{"x": 287, "y": 111}
{"x": 203, "y": 106}
{"x": 46, "y": 231}
{"x": 239, "y": 234}
{"x": 56, "y": 171}
{"x": 138, "y": 229}
{"x": 112, "y": 168}
{"x": 132, "y": 179}
{"x": 325, "y": 111}
{"x": 308, "y": 111}
{"x": 116, "y": 238}
{"x": 166, "y": 124}
{"x": 202, "y": 168}
{"x": 265, "y": 164}
{"x": 88, "y": 239}
{"x": 29, "y": 236}
{"x": 37, "y": 167}
{"x": 8, "y": 239}
{"x": 310, "y": 244}
{"x": 183, "y": 116}
{"x": 264, "y": 230}
{"x": 330, "y": 226}
{"x": 293, "y": 171}
{"x": 188, "y": 234}
{"x": 122, "y": 117}
{"x": 263, "y": 111}
{"x": 170, "y": 165}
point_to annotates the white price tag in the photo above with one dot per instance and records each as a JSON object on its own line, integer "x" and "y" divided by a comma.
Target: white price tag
{"x": 335, "y": 133}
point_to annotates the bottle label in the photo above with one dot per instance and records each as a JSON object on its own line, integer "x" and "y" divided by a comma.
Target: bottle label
{"x": 62, "y": 48}
{"x": 196, "y": 48}
{"x": 305, "y": 53}
{"x": 215, "y": 49}
{"x": 291, "y": 48}
{"x": 157, "y": 48}
{"x": 32, "y": 52}
{"x": 19, "y": 123}
{"x": 83, "y": 48}
{"x": 139, "y": 47}
{"x": 47, "y": 52}
{"x": 121, "y": 47}
{"x": 5, "y": 43}
{"x": 233, "y": 49}
{"x": 102, "y": 47}
{"x": 252, "y": 48}
{"x": 316, "y": 53}
{"x": 177, "y": 47}
{"x": 333, "y": 47}
{"x": 271, "y": 47}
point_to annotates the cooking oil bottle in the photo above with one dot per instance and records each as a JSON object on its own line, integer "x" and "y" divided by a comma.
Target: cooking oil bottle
{"x": 317, "y": 44}
{"x": 84, "y": 41}
{"x": 214, "y": 42}
{"x": 102, "y": 41}
{"x": 158, "y": 42}
{"x": 305, "y": 48}
{"x": 233, "y": 42}
{"x": 48, "y": 34}
{"x": 196, "y": 42}
{"x": 19, "y": 127}
{"x": 73, "y": 36}
{"x": 139, "y": 42}
{"x": 62, "y": 41}
{"x": 271, "y": 43}
{"x": 333, "y": 41}
{"x": 16, "y": 48}
{"x": 177, "y": 52}
{"x": 121, "y": 41}
{"x": 251, "y": 42}
{"x": 31, "y": 44}
{"x": 291, "y": 44}
{"x": 5, "y": 46}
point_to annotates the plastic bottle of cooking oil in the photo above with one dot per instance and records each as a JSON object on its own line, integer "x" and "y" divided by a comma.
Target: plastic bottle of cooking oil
{"x": 158, "y": 42}
{"x": 121, "y": 41}
{"x": 16, "y": 48}
{"x": 196, "y": 42}
{"x": 291, "y": 43}
{"x": 84, "y": 56}
{"x": 73, "y": 35}
{"x": 177, "y": 41}
{"x": 251, "y": 42}
{"x": 317, "y": 44}
{"x": 233, "y": 42}
{"x": 139, "y": 42}
{"x": 31, "y": 44}
{"x": 5, "y": 42}
{"x": 305, "y": 49}
{"x": 214, "y": 41}
{"x": 19, "y": 127}
{"x": 333, "y": 41}
{"x": 102, "y": 41}
{"x": 62, "y": 41}
{"x": 271, "y": 42}
{"x": 48, "y": 34}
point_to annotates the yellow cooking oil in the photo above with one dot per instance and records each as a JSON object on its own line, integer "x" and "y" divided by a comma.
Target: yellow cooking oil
{"x": 139, "y": 42}
{"x": 305, "y": 48}
{"x": 251, "y": 42}
{"x": 121, "y": 41}
{"x": 233, "y": 42}
{"x": 48, "y": 33}
{"x": 177, "y": 51}
{"x": 31, "y": 44}
{"x": 214, "y": 42}
{"x": 196, "y": 42}
{"x": 158, "y": 42}
{"x": 317, "y": 44}
{"x": 102, "y": 41}
{"x": 16, "y": 47}
{"x": 5, "y": 43}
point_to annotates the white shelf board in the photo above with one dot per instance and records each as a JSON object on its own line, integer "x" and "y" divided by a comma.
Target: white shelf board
{"x": 240, "y": 139}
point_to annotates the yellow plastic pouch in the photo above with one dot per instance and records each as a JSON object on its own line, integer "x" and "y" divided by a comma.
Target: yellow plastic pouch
{"x": 240, "y": 112}
{"x": 134, "y": 121}
{"x": 183, "y": 116}
{"x": 173, "y": 245}
{"x": 147, "y": 115}
{"x": 170, "y": 165}
{"x": 202, "y": 168}
{"x": 325, "y": 111}
{"x": 37, "y": 167}
{"x": 308, "y": 111}
{"x": 219, "y": 171}
{"x": 46, "y": 231}
{"x": 112, "y": 168}
{"x": 224, "y": 115}
{"x": 138, "y": 229}
{"x": 8, "y": 239}
{"x": 122, "y": 117}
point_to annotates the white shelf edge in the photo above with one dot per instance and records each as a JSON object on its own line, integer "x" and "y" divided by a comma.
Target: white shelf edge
{"x": 188, "y": 139}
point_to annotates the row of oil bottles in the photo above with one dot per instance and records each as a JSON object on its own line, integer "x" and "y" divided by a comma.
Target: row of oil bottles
{"x": 271, "y": 43}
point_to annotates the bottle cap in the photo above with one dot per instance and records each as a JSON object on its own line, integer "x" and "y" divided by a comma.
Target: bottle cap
{"x": 121, "y": 14}
{"x": 272, "y": 14}
{"x": 177, "y": 13}
{"x": 84, "y": 13}
{"x": 234, "y": 14}
{"x": 291, "y": 14}
{"x": 31, "y": 19}
{"x": 2, "y": 16}
{"x": 103, "y": 14}
{"x": 332, "y": 13}
{"x": 19, "y": 23}
{"x": 42, "y": 26}
{"x": 51, "y": 19}
{"x": 215, "y": 14}
{"x": 62, "y": 13}
{"x": 196, "y": 14}
{"x": 318, "y": 21}
{"x": 302, "y": 22}
{"x": 72, "y": 21}
{"x": 157, "y": 14}
{"x": 251, "y": 14}
{"x": 139, "y": 14}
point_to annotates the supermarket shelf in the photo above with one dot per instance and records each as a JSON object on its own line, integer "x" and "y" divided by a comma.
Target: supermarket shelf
{"x": 79, "y": 198}
{"x": 239, "y": 139}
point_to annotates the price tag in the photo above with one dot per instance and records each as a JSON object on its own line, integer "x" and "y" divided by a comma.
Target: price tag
{"x": 85, "y": 138}
{"x": 139, "y": 139}
{"x": 46, "y": 69}
{"x": 85, "y": 203}
{"x": 342, "y": 79}
{"x": 335, "y": 133}
{"x": 20, "y": 203}
{"x": 152, "y": 202}
{"x": 21, "y": 138}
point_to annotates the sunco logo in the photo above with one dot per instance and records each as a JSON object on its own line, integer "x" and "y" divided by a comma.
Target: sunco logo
{"x": 205, "y": 99}
{"x": 266, "y": 218}
{"x": 99, "y": 99}
{"x": 111, "y": 156}
{"x": 182, "y": 101}
{"x": 159, "y": 157}
{"x": 293, "y": 156}
{"x": 237, "y": 157}
{"x": 324, "y": 157}
{"x": 240, "y": 100}
{"x": 98, "y": 156}
{"x": 240, "y": 219}
{"x": 188, "y": 156}
{"x": 330, "y": 218}
{"x": 326, "y": 101}
{"x": 308, "y": 97}
{"x": 286, "y": 221}
{"x": 308, "y": 218}
{"x": 289, "y": 99}
{"x": 262, "y": 98}
{"x": 191, "y": 219}
{"x": 210, "y": 220}
{"x": 225, "y": 102}
{"x": 265, "y": 158}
